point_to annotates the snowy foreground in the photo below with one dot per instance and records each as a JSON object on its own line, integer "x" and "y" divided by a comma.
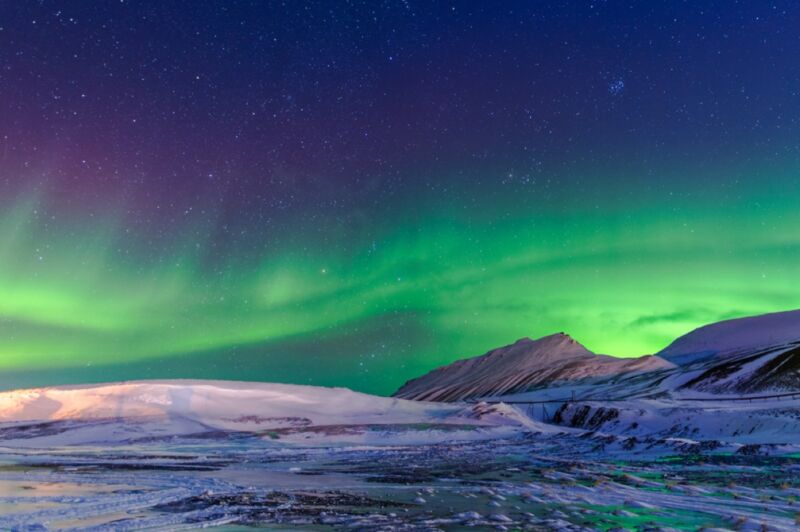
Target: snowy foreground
{"x": 183, "y": 454}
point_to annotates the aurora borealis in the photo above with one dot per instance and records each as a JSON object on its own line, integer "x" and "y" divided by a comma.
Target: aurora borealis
{"x": 351, "y": 194}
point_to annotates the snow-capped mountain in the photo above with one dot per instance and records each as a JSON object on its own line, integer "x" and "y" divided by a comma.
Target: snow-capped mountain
{"x": 731, "y": 337}
{"x": 749, "y": 357}
{"x": 759, "y": 354}
{"x": 524, "y": 365}
{"x": 690, "y": 393}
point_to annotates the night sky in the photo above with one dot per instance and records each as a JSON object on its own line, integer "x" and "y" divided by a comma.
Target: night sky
{"x": 348, "y": 193}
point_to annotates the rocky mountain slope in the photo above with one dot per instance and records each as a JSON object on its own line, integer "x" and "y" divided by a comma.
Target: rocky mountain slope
{"x": 524, "y": 365}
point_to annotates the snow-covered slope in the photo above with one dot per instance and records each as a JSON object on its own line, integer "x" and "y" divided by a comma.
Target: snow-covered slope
{"x": 524, "y": 365}
{"x": 131, "y": 411}
{"x": 758, "y": 354}
{"x": 219, "y": 403}
{"x": 735, "y": 336}
{"x": 773, "y": 422}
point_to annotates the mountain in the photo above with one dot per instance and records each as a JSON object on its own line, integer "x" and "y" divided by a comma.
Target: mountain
{"x": 728, "y": 383}
{"x": 128, "y": 412}
{"x": 750, "y": 357}
{"x": 747, "y": 355}
{"x": 524, "y": 365}
{"x": 754, "y": 355}
{"x": 735, "y": 336}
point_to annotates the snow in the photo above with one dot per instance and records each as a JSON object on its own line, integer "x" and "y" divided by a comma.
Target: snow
{"x": 727, "y": 424}
{"x": 131, "y": 411}
{"x": 735, "y": 335}
{"x": 701, "y": 392}
{"x": 222, "y": 404}
{"x": 172, "y": 454}
{"x": 617, "y": 446}
{"x": 519, "y": 483}
{"x": 139, "y": 412}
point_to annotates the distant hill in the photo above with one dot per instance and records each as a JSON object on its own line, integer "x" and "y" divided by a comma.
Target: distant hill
{"x": 149, "y": 411}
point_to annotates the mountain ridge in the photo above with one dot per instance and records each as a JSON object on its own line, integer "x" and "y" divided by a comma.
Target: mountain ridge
{"x": 737, "y": 334}
{"x": 743, "y": 355}
{"x": 518, "y": 366}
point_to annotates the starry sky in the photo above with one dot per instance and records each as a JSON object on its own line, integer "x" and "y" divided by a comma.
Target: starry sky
{"x": 352, "y": 193}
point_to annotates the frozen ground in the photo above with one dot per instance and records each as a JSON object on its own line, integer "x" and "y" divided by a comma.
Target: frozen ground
{"x": 184, "y": 454}
{"x": 531, "y": 482}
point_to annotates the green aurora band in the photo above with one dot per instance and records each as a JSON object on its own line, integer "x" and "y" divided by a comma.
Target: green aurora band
{"x": 624, "y": 273}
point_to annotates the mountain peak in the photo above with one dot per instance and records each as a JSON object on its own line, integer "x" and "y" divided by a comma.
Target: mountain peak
{"x": 559, "y": 360}
{"x": 562, "y": 337}
{"x": 555, "y": 338}
{"x": 500, "y": 369}
{"x": 527, "y": 352}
